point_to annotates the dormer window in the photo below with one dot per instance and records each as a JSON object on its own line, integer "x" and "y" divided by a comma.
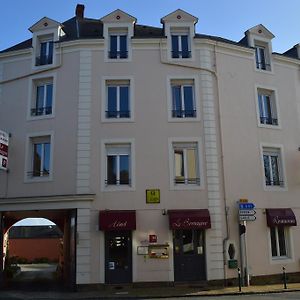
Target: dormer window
{"x": 45, "y": 51}
{"x": 262, "y": 57}
{"x": 118, "y": 44}
{"x": 180, "y": 44}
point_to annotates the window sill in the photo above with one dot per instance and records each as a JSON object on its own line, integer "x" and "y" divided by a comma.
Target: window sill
{"x": 180, "y": 59}
{"x": 281, "y": 259}
{"x": 117, "y": 120}
{"x": 118, "y": 60}
{"x": 275, "y": 188}
{"x": 40, "y": 117}
{"x": 38, "y": 179}
{"x": 276, "y": 127}
{"x": 271, "y": 72}
{"x": 183, "y": 120}
{"x": 41, "y": 67}
{"x": 186, "y": 187}
{"x": 118, "y": 188}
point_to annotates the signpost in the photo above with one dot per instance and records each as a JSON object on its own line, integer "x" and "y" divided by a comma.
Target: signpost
{"x": 3, "y": 150}
{"x": 246, "y": 213}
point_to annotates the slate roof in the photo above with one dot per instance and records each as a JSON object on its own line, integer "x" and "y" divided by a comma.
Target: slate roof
{"x": 86, "y": 28}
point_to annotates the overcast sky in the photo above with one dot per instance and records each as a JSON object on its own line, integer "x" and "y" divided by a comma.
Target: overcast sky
{"x": 225, "y": 18}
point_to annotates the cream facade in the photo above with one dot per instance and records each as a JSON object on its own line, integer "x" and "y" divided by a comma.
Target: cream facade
{"x": 102, "y": 111}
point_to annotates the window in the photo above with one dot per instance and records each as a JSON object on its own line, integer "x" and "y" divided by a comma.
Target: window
{"x": 45, "y": 51}
{"x": 43, "y": 98}
{"x": 118, "y": 164}
{"x": 183, "y": 104}
{"x": 262, "y": 57}
{"x": 40, "y": 157}
{"x": 273, "y": 167}
{"x": 267, "y": 107}
{"x": 180, "y": 46}
{"x": 279, "y": 242}
{"x": 118, "y": 45}
{"x": 186, "y": 170}
{"x": 117, "y": 99}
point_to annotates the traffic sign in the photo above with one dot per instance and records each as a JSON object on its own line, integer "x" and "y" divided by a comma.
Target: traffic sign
{"x": 246, "y": 206}
{"x": 247, "y": 212}
{"x": 247, "y": 218}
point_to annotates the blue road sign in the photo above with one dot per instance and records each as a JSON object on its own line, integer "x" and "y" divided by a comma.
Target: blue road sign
{"x": 247, "y": 206}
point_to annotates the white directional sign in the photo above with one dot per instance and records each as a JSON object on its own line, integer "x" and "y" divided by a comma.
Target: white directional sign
{"x": 247, "y": 218}
{"x": 247, "y": 212}
{"x": 3, "y": 150}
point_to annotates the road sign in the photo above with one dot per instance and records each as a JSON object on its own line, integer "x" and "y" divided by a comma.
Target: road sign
{"x": 247, "y": 212}
{"x": 247, "y": 218}
{"x": 246, "y": 206}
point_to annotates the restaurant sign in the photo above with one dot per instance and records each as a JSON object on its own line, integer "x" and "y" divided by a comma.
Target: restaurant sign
{"x": 3, "y": 150}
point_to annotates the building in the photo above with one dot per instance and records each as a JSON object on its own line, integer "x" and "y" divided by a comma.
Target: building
{"x": 138, "y": 142}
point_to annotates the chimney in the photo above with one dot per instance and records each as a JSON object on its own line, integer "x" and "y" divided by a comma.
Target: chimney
{"x": 79, "y": 12}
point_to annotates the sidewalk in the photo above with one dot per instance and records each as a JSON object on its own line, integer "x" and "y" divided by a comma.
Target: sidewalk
{"x": 153, "y": 292}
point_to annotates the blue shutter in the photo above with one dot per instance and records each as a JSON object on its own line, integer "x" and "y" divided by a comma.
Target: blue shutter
{"x": 176, "y": 101}
{"x": 175, "y": 49}
{"x": 189, "y": 109}
{"x": 185, "y": 46}
{"x": 113, "y": 47}
{"x": 124, "y": 102}
{"x": 111, "y": 102}
{"x": 123, "y": 46}
{"x": 49, "y": 97}
{"x": 39, "y": 105}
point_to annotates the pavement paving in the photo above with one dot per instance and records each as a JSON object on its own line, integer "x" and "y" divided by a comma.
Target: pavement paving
{"x": 39, "y": 282}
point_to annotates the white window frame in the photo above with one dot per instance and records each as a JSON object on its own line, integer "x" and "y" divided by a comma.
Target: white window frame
{"x": 182, "y": 80}
{"x": 34, "y": 81}
{"x": 41, "y": 37}
{"x": 278, "y": 150}
{"x": 273, "y": 93}
{"x": 110, "y": 143}
{"x": 289, "y": 258}
{"x": 117, "y": 29}
{"x": 182, "y": 28}
{"x": 30, "y": 141}
{"x": 199, "y": 156}
{"x": 266, "y": 44}
{"x": 104, "y": 96}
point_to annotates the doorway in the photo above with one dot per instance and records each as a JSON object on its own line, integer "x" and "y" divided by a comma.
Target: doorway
{"x": 118, "y": 257}
{"x": 189, "y": 255}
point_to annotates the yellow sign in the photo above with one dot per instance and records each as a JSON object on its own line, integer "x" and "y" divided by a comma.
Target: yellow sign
{"x": 243, "y": 200}
{"x": 153, "y": 196}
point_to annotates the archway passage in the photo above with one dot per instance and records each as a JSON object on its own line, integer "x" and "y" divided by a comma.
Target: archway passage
{"x": 28, "y": 265}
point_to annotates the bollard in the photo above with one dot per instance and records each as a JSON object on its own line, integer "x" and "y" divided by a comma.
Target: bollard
{"x": 284, "y": 278}
{"x": 240, "y": 279}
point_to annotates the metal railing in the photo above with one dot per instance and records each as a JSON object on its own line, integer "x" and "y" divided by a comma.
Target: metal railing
{"x": 43, "y": 60}
{"x": 47, "y": 110}
{"x": 187, "y": 181}
{"x": 184, "y": 113}
{"x": 181, "y": 54}
{"x": 268, "y": 121}
{"x": 275, "y": 183}
{"x": 117, "y": 114}
{"x": 117, "y": 182}
{"x": 36, "y": 173}
{"x": 263, "y": 65}
{"x": 118, "y": 54}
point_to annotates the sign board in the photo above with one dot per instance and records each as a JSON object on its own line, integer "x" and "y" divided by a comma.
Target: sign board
{"x": 3, "y": 150}
{"x": 153, "y": 196}
{"x": 246, "y": 206}
{"x": 245, "y": 212}
{"x": 247, "y": 218}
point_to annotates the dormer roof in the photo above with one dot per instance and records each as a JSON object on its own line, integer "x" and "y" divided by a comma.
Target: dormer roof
{"x": 44, "y": 23}
{"x": 260, "y": 30}
{"x": 118, "y": 16}
{"x": 179, "y": 15}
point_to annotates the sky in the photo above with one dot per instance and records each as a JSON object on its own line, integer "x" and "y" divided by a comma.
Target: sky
{"x": 225, "y": 18}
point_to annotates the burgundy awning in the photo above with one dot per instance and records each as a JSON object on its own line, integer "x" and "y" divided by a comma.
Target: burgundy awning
{"x": 280, "y": 217}
{"x": 189, "y": 219}
{"x": 117, "y": 220}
